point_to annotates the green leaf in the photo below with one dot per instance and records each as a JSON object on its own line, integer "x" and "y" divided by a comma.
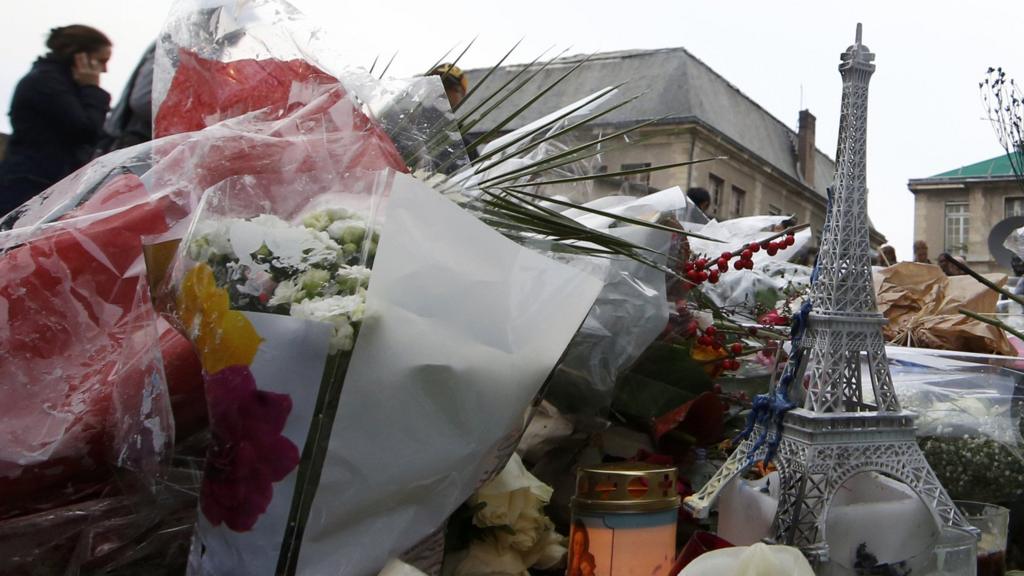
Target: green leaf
{"x": 640, "y": 399}
{"x": 674, "y": 366}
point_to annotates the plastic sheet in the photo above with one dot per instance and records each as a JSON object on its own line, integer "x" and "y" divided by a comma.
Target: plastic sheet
{"x": 219, "y": 59}
{"x": 73, "y": 258}
{"x": 89, "y": 368}
{"x": 629, "y": 313}
{"x": 773, "y": 278}
{"x": 507, "y": 159}
{"x": 81, "y": 367}
{"x": 969, "y": 420}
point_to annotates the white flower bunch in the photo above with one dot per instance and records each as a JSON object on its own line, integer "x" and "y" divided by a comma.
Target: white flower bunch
{"x": 343, "y": 312}
{"x": 312, "y": 270}
{"x": 523, "y": 536}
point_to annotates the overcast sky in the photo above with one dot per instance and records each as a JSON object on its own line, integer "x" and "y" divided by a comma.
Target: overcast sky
{"x": 925, "y": 114}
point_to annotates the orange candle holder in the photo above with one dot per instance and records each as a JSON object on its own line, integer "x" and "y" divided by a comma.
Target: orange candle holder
{"x": 623, "y": 521}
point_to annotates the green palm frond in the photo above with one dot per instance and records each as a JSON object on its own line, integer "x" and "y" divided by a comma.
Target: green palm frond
{"x": 385, "y": 70}
{"x": 498, "y": 193}
{"x": 483, "y": 81}
{"x": 526, "y": 106}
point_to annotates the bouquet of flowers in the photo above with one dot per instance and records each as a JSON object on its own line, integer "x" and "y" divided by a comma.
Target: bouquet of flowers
{"x": 358, "y": 365}
{"x": 379, "y": 343}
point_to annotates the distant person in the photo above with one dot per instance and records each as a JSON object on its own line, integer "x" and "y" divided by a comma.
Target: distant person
{"x": 131, "y": 120}
{"x": 446, "y": 156}
{"x": 700, "y": 197}
{"x": 921, "y": 252}
{"x": 57, "y": 114}
{"x": 454, "y": 81}
{"x": 887, "y": 255}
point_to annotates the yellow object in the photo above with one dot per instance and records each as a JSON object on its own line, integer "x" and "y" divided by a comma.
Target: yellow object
{"x": 222, "y": 337}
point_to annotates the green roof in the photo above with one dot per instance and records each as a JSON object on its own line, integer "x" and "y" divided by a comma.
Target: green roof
{"x": 997, "y": 167}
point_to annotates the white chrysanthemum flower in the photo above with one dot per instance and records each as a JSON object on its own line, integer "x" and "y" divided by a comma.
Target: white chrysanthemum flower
{"x": 286, "y": 292}
{"x": 322, "y": 219}
{"x": 314, "y": 282}
{"x": 351, "y": 279}
{"x": 211, "y": 240}
{"x": 359, "y": 273}
{"x": 350, "y": 231}
{"x": 334, "y": 309}
{"x": 270, "y": 221}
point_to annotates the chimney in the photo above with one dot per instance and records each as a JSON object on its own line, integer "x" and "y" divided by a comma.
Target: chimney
{"x": 805, "y": 147}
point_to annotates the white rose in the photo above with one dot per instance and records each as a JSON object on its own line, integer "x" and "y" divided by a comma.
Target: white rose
{"x": 508, "y": 494}
{"x": 487, "y": 557}
{"x": 549, "y": 552}
{"x": 528, "y": 528}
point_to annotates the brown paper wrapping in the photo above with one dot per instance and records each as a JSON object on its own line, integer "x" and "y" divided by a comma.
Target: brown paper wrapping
{"x": 922, "y": 303}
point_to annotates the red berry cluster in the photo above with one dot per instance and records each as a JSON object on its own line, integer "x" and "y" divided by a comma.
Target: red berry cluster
{"x": 712, "y": 338}
{"x": 702, "y": 270}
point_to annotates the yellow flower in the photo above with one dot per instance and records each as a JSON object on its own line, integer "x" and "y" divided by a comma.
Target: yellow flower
{"x": 222, "y": 337}
{"x": 709, "y": 358}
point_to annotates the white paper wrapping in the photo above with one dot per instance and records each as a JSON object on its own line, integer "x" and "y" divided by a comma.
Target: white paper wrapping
{"x": 462, "y": 328}
{"x": 290, "y": 360}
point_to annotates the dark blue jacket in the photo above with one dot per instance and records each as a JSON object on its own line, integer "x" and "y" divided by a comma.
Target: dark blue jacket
{"x": 56, "y": 123}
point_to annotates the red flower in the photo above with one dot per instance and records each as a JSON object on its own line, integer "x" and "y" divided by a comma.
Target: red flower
{"x": 248, "y": 453}
{"x": 773, "y": 318}
{"x": 702, "y": 418}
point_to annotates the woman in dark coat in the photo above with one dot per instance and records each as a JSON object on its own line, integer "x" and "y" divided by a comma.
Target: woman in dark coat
{"x": 57, "y": 114}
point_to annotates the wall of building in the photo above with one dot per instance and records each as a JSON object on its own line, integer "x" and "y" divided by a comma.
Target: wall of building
{"x": 986, "y": 207}
{"x": 764, "y": 188}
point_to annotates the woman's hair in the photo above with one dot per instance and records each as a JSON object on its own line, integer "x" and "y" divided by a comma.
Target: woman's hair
{"x": 66, "y": 41}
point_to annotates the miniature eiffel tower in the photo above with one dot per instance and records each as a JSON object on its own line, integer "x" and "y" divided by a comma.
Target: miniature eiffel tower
{"x": 838, "y": 432}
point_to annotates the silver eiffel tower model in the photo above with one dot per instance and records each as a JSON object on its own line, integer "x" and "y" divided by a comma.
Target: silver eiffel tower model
{"x": 840, "y": 430}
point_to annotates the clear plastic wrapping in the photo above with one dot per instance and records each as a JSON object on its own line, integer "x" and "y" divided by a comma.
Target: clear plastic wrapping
{"x": 969, "y": 417}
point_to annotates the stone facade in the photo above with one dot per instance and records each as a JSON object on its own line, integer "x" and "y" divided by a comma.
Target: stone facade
{"x": 975, "y": 197}
{"x": 741, "y": 184}
{"x": 767, "y": 166}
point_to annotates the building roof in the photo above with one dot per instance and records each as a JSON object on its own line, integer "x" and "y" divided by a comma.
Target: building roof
{"x": 680, "y": 87}
{"x": 998, "y": 167}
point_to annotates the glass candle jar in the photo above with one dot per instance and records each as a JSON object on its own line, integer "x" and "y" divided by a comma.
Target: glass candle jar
{"x": 993, "y": 522}
{"x": 624, "y": 521}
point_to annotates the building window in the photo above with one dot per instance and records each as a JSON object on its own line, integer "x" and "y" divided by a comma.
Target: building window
{"x": 774, "y": 210}
{"x": 1013, "y": 206}
{"x": 643, "y": 179}
{"x": 715, "y": 187}
{"x": 739, "y": 197}
{"x": 958, "y": 221}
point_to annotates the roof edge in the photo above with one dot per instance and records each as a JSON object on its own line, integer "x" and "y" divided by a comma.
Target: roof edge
{"x": 637, "y": 52}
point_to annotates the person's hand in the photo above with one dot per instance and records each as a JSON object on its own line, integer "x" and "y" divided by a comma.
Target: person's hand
{"x": 86, "y": 70}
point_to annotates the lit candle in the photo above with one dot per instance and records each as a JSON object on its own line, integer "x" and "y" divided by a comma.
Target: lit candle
{"x": 624, "y": 521}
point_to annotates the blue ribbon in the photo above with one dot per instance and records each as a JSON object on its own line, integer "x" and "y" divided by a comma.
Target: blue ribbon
{"x": 770, "y": 409}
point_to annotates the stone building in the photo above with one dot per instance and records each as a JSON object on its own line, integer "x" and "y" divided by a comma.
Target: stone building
{"x": 770, "y": 168}
{"x": 955, "y": 211}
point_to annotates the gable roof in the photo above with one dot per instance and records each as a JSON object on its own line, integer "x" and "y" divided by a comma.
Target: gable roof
{"x": 680, "y": 87}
